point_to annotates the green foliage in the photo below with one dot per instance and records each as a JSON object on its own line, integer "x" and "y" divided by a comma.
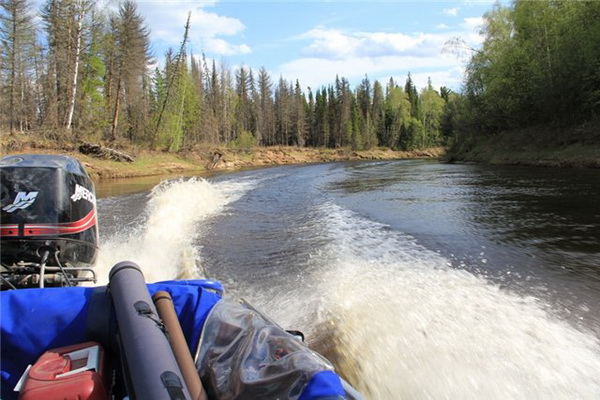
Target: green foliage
{"x": 538, "y": 64}
{"x": 414, "y": 136}
{"x": 245, "y": 141}
{"x": 187, "y": 102}
{"x": 17, "y": 54}
{"x": 432, "y": 111}
{"x": 397, "y": 117}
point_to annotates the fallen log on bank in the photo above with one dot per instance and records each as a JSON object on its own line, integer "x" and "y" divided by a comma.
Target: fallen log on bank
{"x": 99, "y": 151}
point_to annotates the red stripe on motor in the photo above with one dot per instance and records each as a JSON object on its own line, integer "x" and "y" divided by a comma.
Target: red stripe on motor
{"x": 9, "y": 230}
{"x": 65, "y": 228}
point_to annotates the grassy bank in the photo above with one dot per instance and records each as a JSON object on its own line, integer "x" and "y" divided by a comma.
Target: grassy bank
{"x": 537, "y": 146}
{"x": 149, "y": 163}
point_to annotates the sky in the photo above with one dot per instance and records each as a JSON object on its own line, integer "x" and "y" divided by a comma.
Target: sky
{"x": 315, "y": 40}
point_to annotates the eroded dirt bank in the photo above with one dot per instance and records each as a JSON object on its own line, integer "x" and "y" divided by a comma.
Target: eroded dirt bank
{"x": 148, "y": 163}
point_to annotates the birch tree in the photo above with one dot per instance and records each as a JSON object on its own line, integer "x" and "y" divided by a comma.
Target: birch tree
{"x": 80, "y": 7}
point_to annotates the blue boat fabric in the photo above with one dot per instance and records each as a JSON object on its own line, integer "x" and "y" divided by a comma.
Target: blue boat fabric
{"x": 36, "y": 320}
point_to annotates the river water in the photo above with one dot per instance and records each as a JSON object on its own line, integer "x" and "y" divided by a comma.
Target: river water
{"x": 419, "y": 280}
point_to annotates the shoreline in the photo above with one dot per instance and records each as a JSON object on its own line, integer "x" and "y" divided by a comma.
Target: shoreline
{"x": 153, "y": 163}
{"x": 539, "y": 146}
{"x": 571, "y": 157}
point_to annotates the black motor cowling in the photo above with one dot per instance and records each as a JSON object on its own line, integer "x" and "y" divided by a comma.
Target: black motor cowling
{"x": 49, "y": 222}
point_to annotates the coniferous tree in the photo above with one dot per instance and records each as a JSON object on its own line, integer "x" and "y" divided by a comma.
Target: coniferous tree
{"x": 89, "y": 113}
{"x": 17, "y": 50}
{"x": 311, "y": 120}
{"x": 378, "y": 113}
{"x": 56, "y": 22}
{"x": 265, "y": 127}
{"x": 322, "y": 119}
{"x": 299, "y": 121}
{"x": 80, "y": 9}
{"x": 212, "y": 89}
{"x": 413, "y": 97}
{"x": 226, "y": 114}
{"x": 333, "y": 117}
{"x": 283, "y": 112}
{"x": 243, "y": 104}
{"x": 366, "y": 125}
{"x": 132, "y": 56}
{"x": 432, "y": 109}
{"x": 93, "y": 76}
{"x": 398, "y": 119}
{"x": 343, "y": 108}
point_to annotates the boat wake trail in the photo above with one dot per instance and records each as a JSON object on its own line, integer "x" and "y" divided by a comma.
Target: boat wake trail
{"x": 407, "y": 325}
{"x": 163, "y": 244}
{"x": 397, "y": 320}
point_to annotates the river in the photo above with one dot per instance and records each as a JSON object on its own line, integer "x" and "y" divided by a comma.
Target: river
{"x": 419, "y": 280}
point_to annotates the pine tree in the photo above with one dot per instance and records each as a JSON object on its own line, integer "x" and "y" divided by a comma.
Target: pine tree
{"x": 299, "y": 117}
{"x": 17, "y": 47}
{"x": 311, "y": 140}
{"x": 243, "y": 103}
{"x": 265, "y": 129}
{"x": 283, "y": 112}
{"x": 378, "y": 113}
{"x": 90, "y": 104}
{"x": 226, "y": 97}
{"x": 196, "y": 129}
{"x": 322, "y": 127}
{"x": 168, "y": 130}
{"x": 132, "y": 56}
{"x": 364, "y": 97}
{"x": 211, "y": 90}
{"x": 413, "y": 97}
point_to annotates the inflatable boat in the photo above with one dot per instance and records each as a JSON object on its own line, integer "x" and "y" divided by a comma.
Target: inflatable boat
{"x": 170, "y": 340}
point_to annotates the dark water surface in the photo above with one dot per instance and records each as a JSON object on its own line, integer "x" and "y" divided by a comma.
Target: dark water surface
{"x": 419, "y": 279}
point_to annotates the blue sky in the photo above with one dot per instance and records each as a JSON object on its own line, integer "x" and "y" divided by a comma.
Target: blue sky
{"x": 314, "y": 41}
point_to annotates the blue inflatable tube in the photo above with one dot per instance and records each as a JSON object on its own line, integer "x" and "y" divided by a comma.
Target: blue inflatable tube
{"x": 35, "y": 320}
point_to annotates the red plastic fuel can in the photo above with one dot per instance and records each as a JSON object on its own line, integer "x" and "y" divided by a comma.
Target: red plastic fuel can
{"x": 67, "y": 373}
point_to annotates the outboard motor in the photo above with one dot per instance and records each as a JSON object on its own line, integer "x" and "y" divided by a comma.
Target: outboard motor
{"x": 48, "y": 230}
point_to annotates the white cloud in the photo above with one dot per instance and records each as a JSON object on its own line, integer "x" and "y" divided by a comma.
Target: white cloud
{"x": 450, "y": 11}
{"x": 207, "y": 24}
{"x": 316, "y": 72}
{"x": 473, "y": 24}
{"x": 329, "y": 44}
{"x": 382, "y": 55}
{"x": 222, "y": 47}
{"x": 167, "y": 21}
{"x": 336, "y": 45}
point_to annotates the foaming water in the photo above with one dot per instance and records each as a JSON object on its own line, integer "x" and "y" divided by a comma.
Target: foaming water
{"x": 406, "y": 325}
{"x": 163, "y": 244}
{"x": 396, "y": 318}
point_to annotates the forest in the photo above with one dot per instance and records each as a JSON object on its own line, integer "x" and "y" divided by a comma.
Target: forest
{"x": 536, "y": 74}
{"x": 73, "y": 72}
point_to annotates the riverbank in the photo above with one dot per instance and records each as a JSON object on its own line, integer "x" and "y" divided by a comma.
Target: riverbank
{"x": 537, "y": 146}
{"x": 199, "y": 161}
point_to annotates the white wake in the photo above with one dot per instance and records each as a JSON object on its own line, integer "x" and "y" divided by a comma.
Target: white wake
{"x": 163, "y": 245}
{"x": 408, "y": 326}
